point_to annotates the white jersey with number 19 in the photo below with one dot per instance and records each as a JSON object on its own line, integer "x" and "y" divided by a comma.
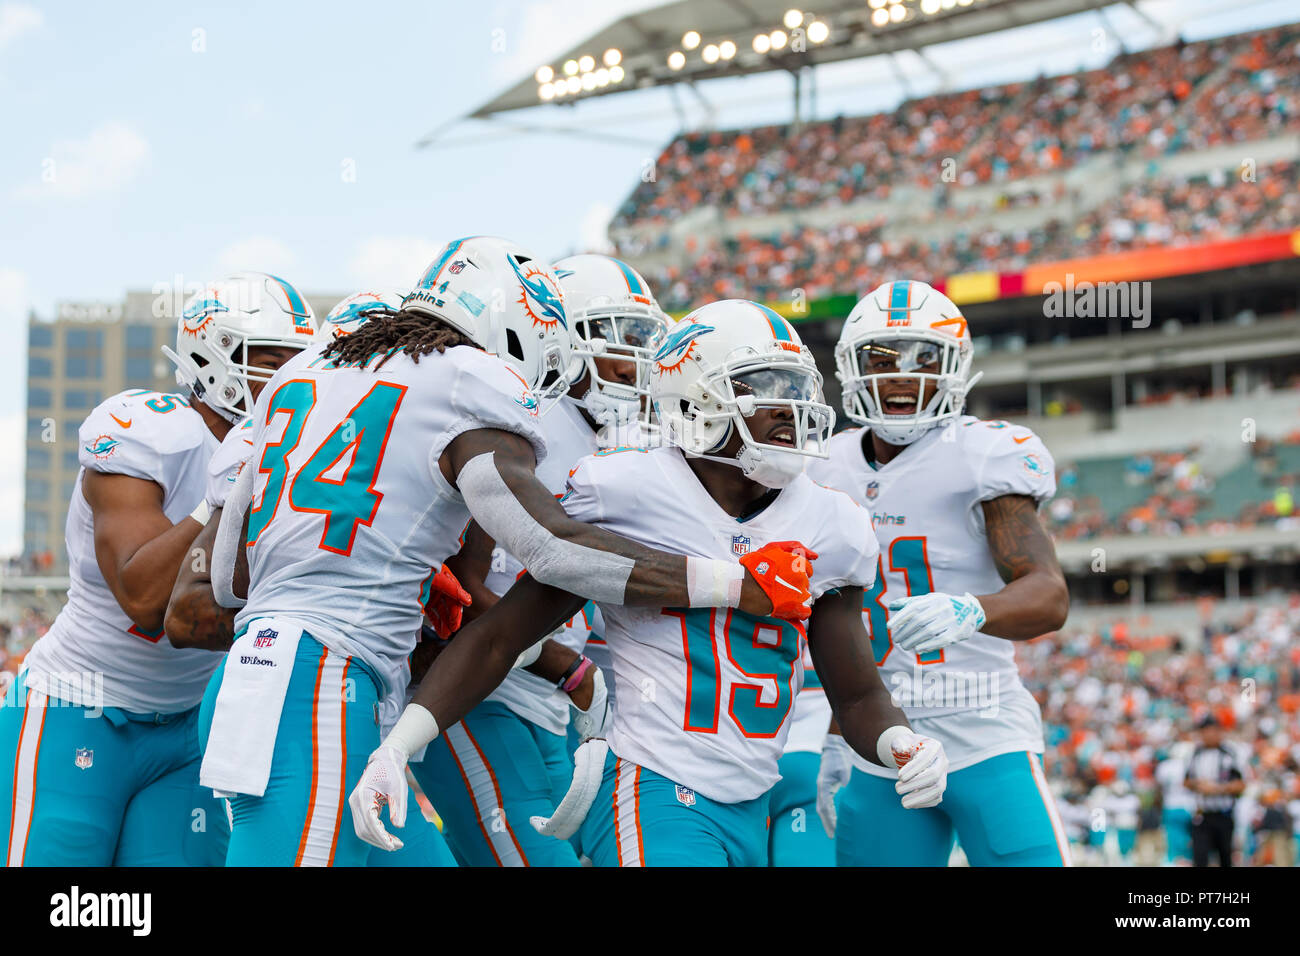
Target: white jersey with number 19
{"x": 705, "y": 694}
{"x": 350, "y": 509}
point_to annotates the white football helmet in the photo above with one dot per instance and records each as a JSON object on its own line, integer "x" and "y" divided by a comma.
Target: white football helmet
{"x": 218, "y": 326}
{"x": 350, "y": 314}
{"x": 895, "y": 333}
{"x": 613, "y": 314}
{"x": 508, "y": 302}
{"x": 721, "y": 363}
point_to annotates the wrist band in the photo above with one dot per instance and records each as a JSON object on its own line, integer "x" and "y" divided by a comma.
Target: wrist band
{"x": 415, "y": 728}
{"x": 202, "y": 513}
{"x": 572, "y": 677}
{"x": 885, "y": 745}
{"x": 713, "y": 583}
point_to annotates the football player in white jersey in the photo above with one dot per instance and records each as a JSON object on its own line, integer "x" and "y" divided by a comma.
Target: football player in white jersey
{"x": 965, "y": 569}
{"x": 508, "y": 760}
{"x": 99, "y": 731}
{"x": 705, "y": 694}
{"x": 368, "y": 462}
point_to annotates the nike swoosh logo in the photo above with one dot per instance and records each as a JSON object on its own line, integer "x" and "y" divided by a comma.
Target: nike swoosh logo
{"x": 248, "y": 441}
{"x": 780, "y": 580}
{"x": 1021, "y": 441}
{"x": 124, "y": 424}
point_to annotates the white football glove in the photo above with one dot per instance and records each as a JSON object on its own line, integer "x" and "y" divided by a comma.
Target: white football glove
{"x": 928, "y": 622}
{"x": 594, "y": 721}
{"x": 384, "y": 782}
{"x": 529, "y": 655}
{"x": 922, "y": 768}
{"x": 588, "y": 772}
{"x": 832, "y": 773}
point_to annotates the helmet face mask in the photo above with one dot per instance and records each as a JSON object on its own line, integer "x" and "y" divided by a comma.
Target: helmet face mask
{"x": 720, "y": 366}
{"x": 887, "y": 355}
{"x": 221, "y": 324}
{"x": 615, "y": 319}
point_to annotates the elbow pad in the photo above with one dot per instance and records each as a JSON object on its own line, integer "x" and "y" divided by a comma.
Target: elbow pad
{"x": 599, "y": 576}
{"x": 230, "y": 535}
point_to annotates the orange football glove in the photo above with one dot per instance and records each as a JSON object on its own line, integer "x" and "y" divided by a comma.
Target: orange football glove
{"x": 783, "y": 569}
{"x": 447, "y": 601}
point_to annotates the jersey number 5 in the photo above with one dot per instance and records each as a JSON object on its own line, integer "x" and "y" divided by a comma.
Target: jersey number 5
{"x": 323, "y": 484}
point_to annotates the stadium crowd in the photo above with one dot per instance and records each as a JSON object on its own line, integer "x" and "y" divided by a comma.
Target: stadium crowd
{"x": 1178, "y": 496}
{"x": 1150, "y": 103}
{"x": 853, "y": 257}
{"x": 1116, "y": 707}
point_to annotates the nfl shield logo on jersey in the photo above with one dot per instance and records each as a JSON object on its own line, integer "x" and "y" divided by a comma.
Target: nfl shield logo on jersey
{"x": 873, "y": 489}
{"x": 85, "y": 758}
{"x": 685, "y": 796}
{"x": 740, "y": 544}
{"x": 265, "y": 638}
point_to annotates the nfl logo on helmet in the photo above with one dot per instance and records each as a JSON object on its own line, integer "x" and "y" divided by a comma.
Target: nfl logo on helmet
{"x": 740, "y": 544}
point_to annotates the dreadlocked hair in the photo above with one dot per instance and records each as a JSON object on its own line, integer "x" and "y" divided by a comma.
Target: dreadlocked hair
{"x": 386, "y": 333}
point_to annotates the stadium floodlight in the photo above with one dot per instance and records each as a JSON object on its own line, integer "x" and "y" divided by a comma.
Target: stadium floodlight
{"x": 877, "y": 4}
{"x": 929, "y": 7}
{"x": 777, "y": 39}
{"x": 602, "y": 77}
{"x": 761, "y": 43}
{"x": 589, "y": 81}
{"x": 818, "y": 31}
{"x": 676, "y": 60}
{"x": 570, "y": 67}
{"x": 559, "y": 88}
{"x": 575, "y": 84}
{"x": 586, "y": 64}
{"x": 545, "y": 74}
{"x": 949, "y": 4}
{"x": 726, "y": 49}
{"x": 792, "y": 19}
{"x": 710, "y": 53}
{"x": 616, "y": 74}
{"x": 898, "y": 12}
{"x": 613, "y": 57}
{"x": 879, "y": 17}
{"x": 691, "y": 39}
{"x": 965, "y": 3}
{"x": 545, "y": 91}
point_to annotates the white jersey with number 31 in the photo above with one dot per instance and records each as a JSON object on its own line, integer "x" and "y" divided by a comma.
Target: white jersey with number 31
{"x": 926, "y": 506}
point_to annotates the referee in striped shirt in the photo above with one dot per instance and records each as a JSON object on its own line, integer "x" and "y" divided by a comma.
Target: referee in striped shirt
{"x": 1217, "y": 777}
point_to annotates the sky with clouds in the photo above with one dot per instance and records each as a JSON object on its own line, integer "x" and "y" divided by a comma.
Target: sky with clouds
{"x": 147, "y": 140}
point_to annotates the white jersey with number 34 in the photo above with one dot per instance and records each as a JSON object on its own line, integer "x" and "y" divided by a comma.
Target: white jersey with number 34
{"x": 350, "y": 509}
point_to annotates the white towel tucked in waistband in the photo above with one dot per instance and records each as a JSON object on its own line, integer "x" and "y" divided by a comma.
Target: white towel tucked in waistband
{"x": 246, "y": 720}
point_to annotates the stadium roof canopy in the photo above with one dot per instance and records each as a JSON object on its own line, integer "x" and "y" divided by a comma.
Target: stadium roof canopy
{"x": 695, "y": 40}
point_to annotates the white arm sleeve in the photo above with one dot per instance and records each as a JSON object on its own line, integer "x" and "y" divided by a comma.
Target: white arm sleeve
{"x": 230, "y": 538}
{"x": 597, "y": 575}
